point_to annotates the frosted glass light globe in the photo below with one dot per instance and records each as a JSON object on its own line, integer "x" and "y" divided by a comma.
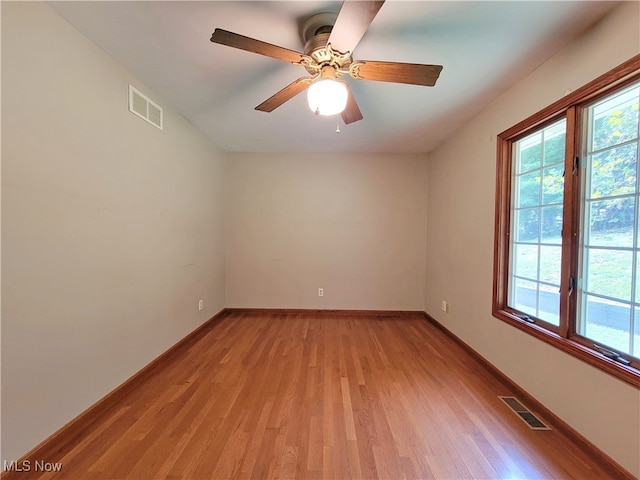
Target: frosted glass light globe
{"x": 327, "y": 97}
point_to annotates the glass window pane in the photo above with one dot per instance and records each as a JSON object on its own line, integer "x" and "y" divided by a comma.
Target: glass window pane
{"x": 552, "y": 185}
{"x": 525, "y": 296}
{"x": 636, "y": 273}
{"x": 608, "y": 273}
{"x": 526, "y": 225}
{"x": 549, "y": 304}
{"x": 550, "y": 259}
{"x": 554, "y": 144}
{"x": 529, "y": 153}
{"x": 538, "y": 189}
{"x": 637, "y": 228}
{"x": 609, "y": 264}
{"x": 607, "y": 322}
{"x": 552, "y": 225}
{"x": 613, "y": 172}
{"x": 611, "y": 222}
{"x": 526, "y": 261}
{"x": 615, "y": 119}
{"x": 529, "y": 189}
{"x": 635, "y": 351}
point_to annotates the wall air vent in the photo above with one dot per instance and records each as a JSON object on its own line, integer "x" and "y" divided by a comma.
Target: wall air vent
{"x": 142, "y": 106}
{"x": 525, "y": 415}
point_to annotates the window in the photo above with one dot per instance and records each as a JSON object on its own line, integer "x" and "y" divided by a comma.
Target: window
{"x": 567, "y": 252}
{"x": 536, "y": 217}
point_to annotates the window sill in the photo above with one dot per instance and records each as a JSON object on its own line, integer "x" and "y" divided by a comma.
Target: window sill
{"x": 625, "y": 373}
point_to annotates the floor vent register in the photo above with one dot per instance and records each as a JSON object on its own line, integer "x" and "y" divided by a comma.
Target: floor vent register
{"x": 525, "y": 415}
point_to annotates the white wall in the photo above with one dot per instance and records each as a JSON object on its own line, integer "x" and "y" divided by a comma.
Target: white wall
{"x": 351, "y": 224}
{"x": 111, "y": 229}
{"x": 460, "y": 213}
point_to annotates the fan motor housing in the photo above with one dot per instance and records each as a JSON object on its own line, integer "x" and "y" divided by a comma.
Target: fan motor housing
{"x": 315, "y": 33}
{"x": 316, "y": 48}
{"x": 318, "y": 23}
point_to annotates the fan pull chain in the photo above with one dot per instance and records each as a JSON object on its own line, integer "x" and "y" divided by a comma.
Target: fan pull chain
{"x": 338, "y": 125}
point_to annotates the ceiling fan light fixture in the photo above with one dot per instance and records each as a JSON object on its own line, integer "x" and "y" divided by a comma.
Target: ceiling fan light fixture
{"x": 329, "y": 42}
{"x": 327, "y": 97}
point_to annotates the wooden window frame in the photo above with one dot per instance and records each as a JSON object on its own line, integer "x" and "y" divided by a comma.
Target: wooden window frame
{"x": 563, "y": 337}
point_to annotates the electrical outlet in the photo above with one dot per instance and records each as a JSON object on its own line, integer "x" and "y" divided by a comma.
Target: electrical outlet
{"x": 321, "y": 292}
{"x": 200, "y": 304}
{"x": 445, "y": 306}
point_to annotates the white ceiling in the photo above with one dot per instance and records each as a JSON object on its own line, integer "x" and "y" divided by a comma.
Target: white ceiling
{"x": 485, "y": 47}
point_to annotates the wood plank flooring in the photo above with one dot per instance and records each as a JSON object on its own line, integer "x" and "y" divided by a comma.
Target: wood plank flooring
{"x": 318, "y": 396}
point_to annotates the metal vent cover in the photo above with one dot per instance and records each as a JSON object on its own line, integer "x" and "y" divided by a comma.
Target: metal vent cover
{"x": 524, "y": 414}
{"x": 143, "y": 107}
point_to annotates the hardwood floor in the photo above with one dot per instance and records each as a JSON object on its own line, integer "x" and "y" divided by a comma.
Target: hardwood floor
{"x": 318, "y": 396}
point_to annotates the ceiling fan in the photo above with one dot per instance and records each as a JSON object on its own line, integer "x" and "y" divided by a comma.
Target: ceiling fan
{"x": 329, "y": 44}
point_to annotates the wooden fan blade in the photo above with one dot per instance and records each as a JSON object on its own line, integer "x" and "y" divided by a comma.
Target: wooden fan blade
{"x": 284, "y": 95}
{"x": 395, "y": 72}
{"x": 351, "y": 112}
{"x": 353, "y": 20}
{"x": 235, "y": 40}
